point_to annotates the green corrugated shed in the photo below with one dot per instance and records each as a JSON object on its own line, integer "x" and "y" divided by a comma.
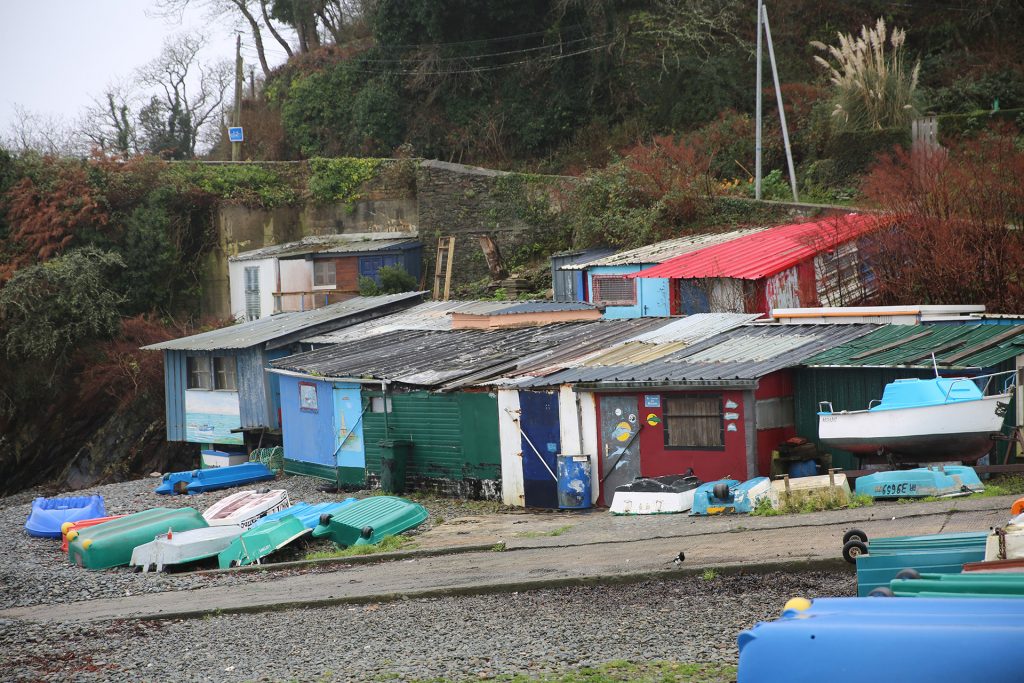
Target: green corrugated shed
{"x": 912, "y": 346}
{"x": 454, "y": 435}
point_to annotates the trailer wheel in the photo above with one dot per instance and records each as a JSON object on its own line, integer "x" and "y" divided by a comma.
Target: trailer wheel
{"x": 854, "y": 549}
{"x": 325, "y": 519}
{"x": 855, "y": 534}
{"x": 366, "y": 532}
{"x": 721, "y": 490}
{"x": 908, "y": 574}
{"x": 881, "y": 592}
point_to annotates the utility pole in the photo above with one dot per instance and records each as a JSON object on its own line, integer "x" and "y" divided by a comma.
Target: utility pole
{"x": 778, "y": 98}
{"x": 236, "y": 147}
{"x": 252, "y": 83}
{"x": 757, "y": 108}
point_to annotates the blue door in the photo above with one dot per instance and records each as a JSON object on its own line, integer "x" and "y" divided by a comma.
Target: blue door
{"x": 538, "y": 420}
{"x": 370, "y": 265}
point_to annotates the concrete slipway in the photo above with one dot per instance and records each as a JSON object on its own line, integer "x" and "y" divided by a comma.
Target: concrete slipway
{"x": 546, "y": 550}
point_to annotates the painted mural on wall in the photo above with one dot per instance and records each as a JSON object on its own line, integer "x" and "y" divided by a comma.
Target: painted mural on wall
{"x": 211, "y": 415}
{"x": 349, "y": 419}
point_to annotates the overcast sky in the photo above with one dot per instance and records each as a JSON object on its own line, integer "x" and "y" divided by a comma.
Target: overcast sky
{"x": 58, "y": 54}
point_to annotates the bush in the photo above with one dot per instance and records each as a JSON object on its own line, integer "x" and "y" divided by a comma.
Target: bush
{"x": 393, "y": 280}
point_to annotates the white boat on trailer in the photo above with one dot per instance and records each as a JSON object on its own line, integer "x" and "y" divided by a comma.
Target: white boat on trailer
{"x": 936, "y": 419}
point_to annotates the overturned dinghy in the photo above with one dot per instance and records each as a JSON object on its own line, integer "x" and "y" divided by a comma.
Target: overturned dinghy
{"x": 245, "y": 507}
{"x": 730, "y": 496}
{"x": 110, "y": 544}
{"x": 656, "y": 495}
{"x": 260, "y": 541}
{"x": 200, "y": 481}
{"x": 184, "y": 547}
{"x": 369, "y": 520}
{"x": 48, "y": 515}
{"x": 942, "y": 481}
{"x": 307, "y": 513}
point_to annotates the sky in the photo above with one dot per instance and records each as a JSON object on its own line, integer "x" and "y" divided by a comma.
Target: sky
{"x": 59, "y": 54}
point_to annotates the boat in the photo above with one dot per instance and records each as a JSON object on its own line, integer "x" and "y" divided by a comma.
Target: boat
{"x": 258, "y": 542}
{"x": 930, "y": 553}
{"x": 941, "y": 481}
{"x": 69, "y": 530}
{"x": 111, "y": 544}
{"x": 245, "y": 507}
{"x": 730, "y": 496}
{"x": 656, "y": 495}
{"x": 912, "y": 641}
{"x": 308, "y": 514}
{"x": 972, "y": 585}
{"x": 48, "y": 514}
{"x": 942, "y": 418}
{"x": 795, "y": 489}
{"x": 200, "y": 481}
{"x": 368, "y": 521}
{"x": 171, "y": 548}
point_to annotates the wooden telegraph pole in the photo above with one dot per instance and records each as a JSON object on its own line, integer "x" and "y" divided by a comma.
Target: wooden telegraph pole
{"x": 236, "y": 147}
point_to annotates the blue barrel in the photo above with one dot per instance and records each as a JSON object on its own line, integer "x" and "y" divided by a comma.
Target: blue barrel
{"x": 802, "y": 468}
{"x": 573, "y": 482}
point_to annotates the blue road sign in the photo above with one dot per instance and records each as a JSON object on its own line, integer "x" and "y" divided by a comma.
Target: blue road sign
{"x": 235, "y": 134}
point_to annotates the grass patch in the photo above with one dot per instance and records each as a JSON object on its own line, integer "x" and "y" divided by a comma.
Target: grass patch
{"x": 709, "y": 575}
{"x": 801, "y": 502}
{"x": 540, "y": 534}
{"x": 619, "y": 672}
{"x": 387, "y": 544}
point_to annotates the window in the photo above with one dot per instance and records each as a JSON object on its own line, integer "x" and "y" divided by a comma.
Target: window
{"x": 224, "y": 375}
{"x": 307, "y": 397}
{"x": 252, "y": 292}
{"x": 614, "y": 291}
{"x": 324, "y": 273}
{"x": 199, "y": 375}
{"x": 377, "y": 404}
{"x": 694, "y": 422}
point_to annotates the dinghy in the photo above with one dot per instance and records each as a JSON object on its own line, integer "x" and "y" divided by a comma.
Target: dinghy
{"x": 940, "y": 481}
{"x": 943, "y": 418}
{"x": 199, "y": 481}
{"x": 369, "y": 520}
{"x": 69, "y": 530}
{"x": 49, "y": 514}
{"x": 258, "y": 542}
{"x": 111, "y": 544}
{"x": 184, "y": 547}
{"x": 656, "y": 495}
{"x": 730, "y": 495}
{"x": 308, "y": 514}
{"x": 245, "y": 507}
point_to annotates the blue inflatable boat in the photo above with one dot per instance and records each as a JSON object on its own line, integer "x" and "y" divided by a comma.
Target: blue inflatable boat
{"x": 49, "y": 514}
{"x": 887, "y": 639}
{"x": 941, "y": 480}
{"x": 308, "y": 514}
{"x": 199, "y": 481}
{"x": 729, "y": 495}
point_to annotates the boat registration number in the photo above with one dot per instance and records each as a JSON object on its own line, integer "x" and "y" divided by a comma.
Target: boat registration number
{"x": 829, "y": 418}
{"x": 896, "y": 489}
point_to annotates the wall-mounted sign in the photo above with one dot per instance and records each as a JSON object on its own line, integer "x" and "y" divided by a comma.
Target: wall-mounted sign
{"x": 653, "y": 420}
{"x": 307, "y": 397}
{"x": 235, "y": 134}
{"x": 652, "y": 400}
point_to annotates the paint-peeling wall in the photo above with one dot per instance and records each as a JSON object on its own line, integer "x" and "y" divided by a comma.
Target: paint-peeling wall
{"x": 782, "y": 290}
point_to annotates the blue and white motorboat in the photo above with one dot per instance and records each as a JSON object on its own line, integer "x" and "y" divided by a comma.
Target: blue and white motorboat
{"x": 730, "y": 495}
{"x": 939, "y": 480}
{"x": 942, "y": 418}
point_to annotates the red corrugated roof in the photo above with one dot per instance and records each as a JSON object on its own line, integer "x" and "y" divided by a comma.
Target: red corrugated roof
{"x": 766, "y": 252}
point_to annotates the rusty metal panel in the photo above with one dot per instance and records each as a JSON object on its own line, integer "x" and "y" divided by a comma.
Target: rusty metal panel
{"x": 620, "y": 443}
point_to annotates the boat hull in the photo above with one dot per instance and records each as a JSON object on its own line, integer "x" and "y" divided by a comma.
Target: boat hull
{"x": 743, "y": 497}
{"x": 950, "y": 480}
{"x": 244, "y": 508}
{"x": 184, "y": 547}
{"x": 258, "y": 542}
{"x": 368, "y": 521}
{"x": 48, "y": 515}
{"x": 200, "y": 481}
{"x": 949, "y": 431}
{"x": 655, "y": 496}
{"x": 110, "y": 544}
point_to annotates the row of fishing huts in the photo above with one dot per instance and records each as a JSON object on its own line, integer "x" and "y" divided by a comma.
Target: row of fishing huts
{"x": 486, "y": 395}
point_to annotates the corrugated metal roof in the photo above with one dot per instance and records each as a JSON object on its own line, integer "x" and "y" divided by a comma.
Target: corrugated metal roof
{"x": 263, "y": 330}
{"x": 436, "y": 357}
{"x": 911, "y": 346}
{"x": 660, "y": 252}
{"x": 766, "y": 252}
{"x": 540, "y": 307}
{"x": 334, "y": 244}
{"x": 741, "y": 355}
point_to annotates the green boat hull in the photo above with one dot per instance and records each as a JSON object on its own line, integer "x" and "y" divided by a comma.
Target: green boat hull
{"x": 110, "y": 544}
{"x": 368, "y": 521}
{"x": 957, "y": 585}
{"x": 255, "y": 544}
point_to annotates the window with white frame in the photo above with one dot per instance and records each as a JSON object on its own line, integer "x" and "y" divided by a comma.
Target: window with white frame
{"x": 614, "y": 290}
{"x": 324, "y": 273}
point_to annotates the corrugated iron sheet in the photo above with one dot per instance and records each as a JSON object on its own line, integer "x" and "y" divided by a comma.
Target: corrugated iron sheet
{"x": 660, "y": 252}
{"x": 244, "y": 335}
{"x": 912, "y": 346}
{"x": 743, "y": 354}
{"x": 335, "y": 244}
{"x": 767, "y": 252}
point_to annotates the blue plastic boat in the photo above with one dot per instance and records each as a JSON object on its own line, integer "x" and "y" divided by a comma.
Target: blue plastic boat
{"x": 942, "y": 480}
{"x": 49, "y": 514}
{"x": 729, "y": 495}
{"x": 912, "y": 641}
{"x": 199, "y": 481}
{"x": 308, "y": 514}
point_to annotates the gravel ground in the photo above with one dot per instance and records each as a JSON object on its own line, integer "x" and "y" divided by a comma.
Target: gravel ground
{"x": 458, "y": 638}
{"x": 33, "y": 570}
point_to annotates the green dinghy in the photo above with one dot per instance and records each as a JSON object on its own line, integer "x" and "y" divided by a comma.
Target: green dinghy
{"x": 258, "y": 542}
{"x": 368, "y": 521}
{"x": 110, "y": 544}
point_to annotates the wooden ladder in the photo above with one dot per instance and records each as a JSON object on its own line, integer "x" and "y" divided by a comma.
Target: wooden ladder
{"x": 443, "y": 261}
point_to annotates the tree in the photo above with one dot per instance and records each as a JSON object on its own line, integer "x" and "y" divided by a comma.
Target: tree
{"x": 109, "y": 124}
{"x": 188, "y": 98}
{"x": 43, "y": 134}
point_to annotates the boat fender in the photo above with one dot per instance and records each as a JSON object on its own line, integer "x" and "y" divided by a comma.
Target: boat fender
{"x": 796, "y": 605}
{"x": 86, "y": 543}
{"x": 72, "y": 535}
{"x": 366, "y": 532}
{"x": 325, "y": 519}
{"x": 721, "y": 490}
